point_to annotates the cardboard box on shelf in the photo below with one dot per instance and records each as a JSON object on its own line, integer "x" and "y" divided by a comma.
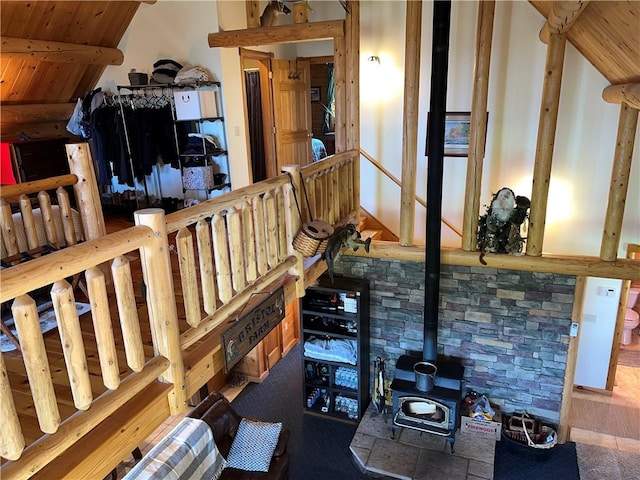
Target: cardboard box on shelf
{"x": 491, "y": 430}
{"x": 195, "y": 104}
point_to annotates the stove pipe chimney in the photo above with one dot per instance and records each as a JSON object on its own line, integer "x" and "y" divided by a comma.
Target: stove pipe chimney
{"x": 436, "y": 127}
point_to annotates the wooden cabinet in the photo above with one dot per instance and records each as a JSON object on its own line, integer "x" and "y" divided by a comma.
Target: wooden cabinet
{"x": 257, "y": 363}
{"x": 335, "y": 362}
{"x": 40, "y": 159}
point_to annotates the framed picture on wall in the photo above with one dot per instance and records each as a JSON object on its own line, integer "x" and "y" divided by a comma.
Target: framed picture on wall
{"x": 457, "y": 126}
{"x": 315, "y": 94}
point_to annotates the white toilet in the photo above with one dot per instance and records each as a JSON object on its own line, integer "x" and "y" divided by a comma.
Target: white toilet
{"x": 631, "y": 317}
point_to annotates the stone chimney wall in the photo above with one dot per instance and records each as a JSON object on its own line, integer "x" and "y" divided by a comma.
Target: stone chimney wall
{"x": 510, "y": 329}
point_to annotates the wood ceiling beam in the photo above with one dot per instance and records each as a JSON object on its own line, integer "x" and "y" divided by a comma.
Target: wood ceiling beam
{"x": 628, "y": 93}
{"x": 59, "y": 52}
{"x": 32, "y": 112}
{"x": 561, "y": 18}
{"x": 560, "y": 264}
{"x": 299, "y": 32}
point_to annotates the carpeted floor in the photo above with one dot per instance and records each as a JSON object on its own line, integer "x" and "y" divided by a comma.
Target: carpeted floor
{"x": 610, "y": 419}
{"x": 611, "y": 464}
{"x": 522, "y": 463}
{"x": 629, "y": 358}
{"x": 319, "y": 447}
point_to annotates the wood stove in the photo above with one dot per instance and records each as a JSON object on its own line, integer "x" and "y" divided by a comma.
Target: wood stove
{"x": 436, "y": 411}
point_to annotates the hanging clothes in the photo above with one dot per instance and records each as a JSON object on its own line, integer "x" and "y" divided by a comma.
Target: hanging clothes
{"x": 131, "y": 133}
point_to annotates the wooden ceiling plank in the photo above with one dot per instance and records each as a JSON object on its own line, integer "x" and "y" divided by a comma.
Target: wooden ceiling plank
{"x": 47, "y": 51}
{"x": 299, "y": 32}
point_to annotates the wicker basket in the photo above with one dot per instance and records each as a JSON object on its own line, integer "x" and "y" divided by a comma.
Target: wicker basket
{"x": 525, "y": 430}
{"x": 312, "y": 238}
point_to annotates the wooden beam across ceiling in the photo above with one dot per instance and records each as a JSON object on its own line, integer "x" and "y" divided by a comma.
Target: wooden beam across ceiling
{"x": 60, "y": 52}
{"x": 299, "y": 32}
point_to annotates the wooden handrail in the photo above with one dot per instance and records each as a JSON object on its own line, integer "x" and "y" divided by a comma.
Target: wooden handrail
{"x": 397, "y": 182}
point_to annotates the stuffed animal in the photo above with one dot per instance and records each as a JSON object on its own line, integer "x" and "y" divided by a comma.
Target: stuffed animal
{"x": 499, "y": 228}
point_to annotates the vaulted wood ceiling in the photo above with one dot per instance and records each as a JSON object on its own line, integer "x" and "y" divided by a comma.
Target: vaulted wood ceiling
{"x": 52, "y": 53}
{"x": 40, "y": 81}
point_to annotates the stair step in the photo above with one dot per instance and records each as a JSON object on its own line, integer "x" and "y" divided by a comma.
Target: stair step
{"x": 373, "y": 234}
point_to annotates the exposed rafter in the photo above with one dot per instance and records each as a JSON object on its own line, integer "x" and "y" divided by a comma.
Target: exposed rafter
{"x": 60, "y": 52}
{"x": 299, "y": 32}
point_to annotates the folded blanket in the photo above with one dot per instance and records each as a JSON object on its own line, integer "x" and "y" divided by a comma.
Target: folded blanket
{"x": 335, "y": 350}
{"x": 187, "y": 452}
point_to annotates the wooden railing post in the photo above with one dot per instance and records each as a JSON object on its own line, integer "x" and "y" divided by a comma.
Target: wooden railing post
{"x": 293, "y": 220}
{"x": 86, "y": 190}
{"x": 163, "y": 316}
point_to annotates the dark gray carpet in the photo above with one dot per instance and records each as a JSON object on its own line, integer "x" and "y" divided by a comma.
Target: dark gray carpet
{"x": 319, "y": 447}
{"x": 515, "y": 462}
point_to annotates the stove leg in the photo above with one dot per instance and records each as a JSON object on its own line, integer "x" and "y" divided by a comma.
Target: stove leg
{"x": 451, "y": 442}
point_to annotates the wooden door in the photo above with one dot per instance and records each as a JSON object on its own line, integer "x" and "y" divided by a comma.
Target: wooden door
{"x": 272, "y": 347}
{"x": 292, "y": 112}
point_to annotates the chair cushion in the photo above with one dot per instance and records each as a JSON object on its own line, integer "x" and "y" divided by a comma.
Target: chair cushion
{"x": 253, "y": 445}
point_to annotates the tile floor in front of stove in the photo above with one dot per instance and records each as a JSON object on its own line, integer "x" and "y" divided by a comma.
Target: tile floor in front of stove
{"x": 416, "y": 455}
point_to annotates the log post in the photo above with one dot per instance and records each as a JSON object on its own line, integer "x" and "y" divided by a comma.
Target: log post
{"x": 410, "y": 121}
{"x": 64, "y": 305}
{"x": 28, "y": 222}
{"x": 619, "y": 184}
{"x": 478, "y": 132}
{"x": 207, "y": 270}
{"x": 34, "y": 353}
{"x": 300, "y": 12}
{"x": 86, "y": 190}
{"x": 8, "y": 228}
{"x": 572, "y": 357}
{"x": 156, "y": 271}
{"x": 294, "y": 208}
{"x": 253, "y": 13}
{"x": 66, "y": 213}
{"x": 340, "y": 89}
{"x": 188, "y": 276}
{"x": 351, "y": 77}
{"x": 236, "y": 249}
{"x": 221, "y": 257}
{"x": 128, "y": 313}
{"x": 107, "y": 353}
{"x": 545, "y": 143}
{"x": 12, "y": 440}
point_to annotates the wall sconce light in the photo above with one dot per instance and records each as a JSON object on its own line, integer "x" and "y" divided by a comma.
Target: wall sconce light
{"x": 374, "y": 59}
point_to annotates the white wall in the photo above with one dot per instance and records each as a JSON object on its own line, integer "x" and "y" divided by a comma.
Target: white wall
{"x": 587, "y": 126}
{"x": 585, "y": 140}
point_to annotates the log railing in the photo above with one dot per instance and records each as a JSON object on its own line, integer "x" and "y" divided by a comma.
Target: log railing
{"x": 121, "y": 383}
{"x": 232, "y": 247}
{"x": 235, "y": 246}
{"x": 332, "y": 188}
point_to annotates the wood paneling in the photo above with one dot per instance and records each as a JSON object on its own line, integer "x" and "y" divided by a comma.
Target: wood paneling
{"x": 29, "y": 80}
{"x": 607, "y": 35}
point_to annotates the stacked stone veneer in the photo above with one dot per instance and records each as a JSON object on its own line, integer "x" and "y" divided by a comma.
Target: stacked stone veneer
{"x": 510, "y": 329}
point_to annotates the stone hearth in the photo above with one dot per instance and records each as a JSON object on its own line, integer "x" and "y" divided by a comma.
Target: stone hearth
{"x": 413, "y": 455}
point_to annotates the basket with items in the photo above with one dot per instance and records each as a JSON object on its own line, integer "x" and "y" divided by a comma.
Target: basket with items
{"x": 524, "y": 432}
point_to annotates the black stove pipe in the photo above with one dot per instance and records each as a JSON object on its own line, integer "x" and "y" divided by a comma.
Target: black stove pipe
{"x": 437, "y": 109}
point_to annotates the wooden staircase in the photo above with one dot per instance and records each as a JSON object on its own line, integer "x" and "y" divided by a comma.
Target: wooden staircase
{"x": 371, "y": 227}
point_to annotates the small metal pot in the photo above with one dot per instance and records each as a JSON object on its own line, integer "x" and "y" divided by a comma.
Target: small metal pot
{"x": 425, "y": 375}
